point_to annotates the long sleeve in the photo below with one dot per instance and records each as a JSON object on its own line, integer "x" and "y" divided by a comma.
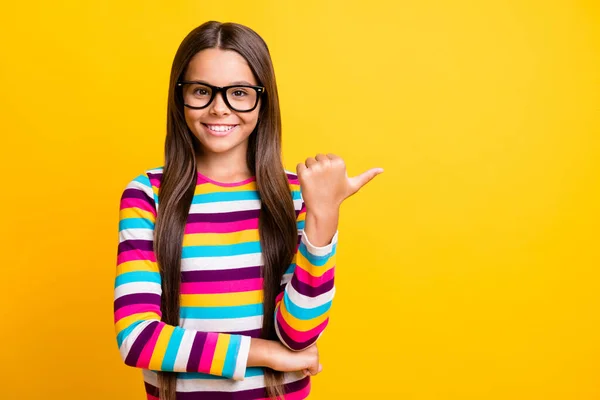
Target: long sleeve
{"x": 144, "y": 340}
{"x": 302, "y": 306}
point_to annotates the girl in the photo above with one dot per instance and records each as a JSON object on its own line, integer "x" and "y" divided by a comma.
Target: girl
{"x": 226, "y": 261}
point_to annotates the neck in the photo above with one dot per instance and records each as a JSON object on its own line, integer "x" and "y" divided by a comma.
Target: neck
{"x": 222, "y": 167}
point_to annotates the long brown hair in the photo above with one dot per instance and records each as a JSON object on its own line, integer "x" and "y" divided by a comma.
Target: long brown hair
{"x": 277, "y": 218}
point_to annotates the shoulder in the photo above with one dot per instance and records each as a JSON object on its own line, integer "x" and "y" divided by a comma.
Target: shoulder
{"x": 144, "y": 184}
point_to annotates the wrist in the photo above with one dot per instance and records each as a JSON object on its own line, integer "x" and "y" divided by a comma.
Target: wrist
{"x": 261, "y": 353}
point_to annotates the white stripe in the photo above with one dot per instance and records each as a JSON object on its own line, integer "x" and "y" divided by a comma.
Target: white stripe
{"x": 222, "y": 325}
{"x": 322, "y": 250}
{"x": 242, "y": 359}
{"x": 137, "y": 185}
{"x": 218, "y": 263}
{"x": 221, "y": 385}
{"x": 225, "y": 206}
{"x": 183, "y": 353}
{"x": 308, "y": 302}
{"x": 137, "y": 287}
{"x": 136, "y": 234}
{"x": 156, "y": 170}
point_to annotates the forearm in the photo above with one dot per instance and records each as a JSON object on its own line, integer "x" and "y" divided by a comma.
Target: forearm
{"x": 260, "y": 353}
{"x": 321, "y": 225}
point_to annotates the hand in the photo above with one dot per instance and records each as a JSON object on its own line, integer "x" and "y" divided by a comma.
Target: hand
{"x": 325, "y": 183}
{"x": 283, "y": 359}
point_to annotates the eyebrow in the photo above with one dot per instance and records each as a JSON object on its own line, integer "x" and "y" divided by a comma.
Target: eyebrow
{"x": 230, "y": 84}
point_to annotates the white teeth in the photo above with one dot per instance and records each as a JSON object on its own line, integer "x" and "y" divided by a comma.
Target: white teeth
{"x": 221, "y": 128}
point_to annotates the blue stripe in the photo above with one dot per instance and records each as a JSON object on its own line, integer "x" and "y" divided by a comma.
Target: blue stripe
{"x": 137, "y": 276}
{"x": 221, "y": 251}
{"x": 225, "y": 196}
{"x": 250, "y": 310}
{"x": 317, "y": 261}
{"x": 301, "y": 224}
{"x": 231, "y": 356}
{"x": 144, "y": 180}
{"x": 168, "y": 363}
{"x": 250, "y": 372}
{"x": 133, "y": 223}
{"x": 290, "y": 269}
{"x": 296, "y": 195}
{"x": 305, "y": 314}
{"x": 125, "y": 332}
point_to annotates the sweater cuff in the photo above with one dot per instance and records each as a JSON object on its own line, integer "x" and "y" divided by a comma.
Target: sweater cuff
{"x": 242, "y": 358}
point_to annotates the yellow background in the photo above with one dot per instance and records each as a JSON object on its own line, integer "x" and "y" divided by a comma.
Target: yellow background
{"x": 468, "y": 270}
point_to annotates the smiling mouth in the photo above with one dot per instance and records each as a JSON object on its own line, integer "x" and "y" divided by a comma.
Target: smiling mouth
{"x": 220, "y": 129}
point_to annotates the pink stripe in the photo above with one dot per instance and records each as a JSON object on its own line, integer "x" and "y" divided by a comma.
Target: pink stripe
{"x": 244, "y": 285}
{"x": 133, "y": 255}
{"x": 294, "y": 181}
{"x": 208, "y": 352}
{"x": 150, "y": 397}
{"x": 221, "y": 227}
{"x": 305, "y": 277}
{"x": 136, "y": 309}
{"x": 155, "y": 182}
{"x": 300, "y": 336}
{"x": 137, "y": 203}
{"x": 299, "y": 395}
{"x": 146, "y": 354}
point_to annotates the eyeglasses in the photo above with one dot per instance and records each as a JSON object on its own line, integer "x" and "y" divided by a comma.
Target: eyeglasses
{"x": 240, "y": 98}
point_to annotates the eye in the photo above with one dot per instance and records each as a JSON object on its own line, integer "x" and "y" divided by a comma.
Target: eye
{"x": 200, "y": 92}
{"x": 239, "y": 93}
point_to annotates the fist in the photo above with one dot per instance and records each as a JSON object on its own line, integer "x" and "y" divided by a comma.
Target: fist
{"x": 325, "y": 183}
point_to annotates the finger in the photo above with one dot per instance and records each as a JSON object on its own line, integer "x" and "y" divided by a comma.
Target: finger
{"x": 315, "y": 369}
{"x": 322, "y": 158}
{"x": 361, "y": 180}
{"x": 299, "y": 168}
{"x": 333, "y": 156}
{"x": 310, "y": 161}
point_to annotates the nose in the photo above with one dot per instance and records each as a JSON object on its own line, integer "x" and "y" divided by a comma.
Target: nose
{"x": 218, "y": 106}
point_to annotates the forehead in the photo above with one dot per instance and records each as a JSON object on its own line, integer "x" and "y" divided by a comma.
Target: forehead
{"x": 219, "y": 67}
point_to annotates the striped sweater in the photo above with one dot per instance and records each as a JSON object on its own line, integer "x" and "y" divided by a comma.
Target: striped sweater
{"x": 221, "y": 291}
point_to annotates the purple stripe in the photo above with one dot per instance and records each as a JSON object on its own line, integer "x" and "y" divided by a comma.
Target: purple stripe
{"x": 140, "y": 342}
{"x": 251, "y": 394}
{"x": 197, "y": 348}
{"x": 132, "y": 193}
{"x": 151, "y": 390}
{"x": 154, "y": 175}
{"x": 137, "y": 298}
{"x": 255, "y": 333}
{"x": 221, "y": 275}
{"x": 292, "y": 343}
{"x": 126, "y": 245}
{"x": 310, "y": 291}
{"x": 223, "y": 217}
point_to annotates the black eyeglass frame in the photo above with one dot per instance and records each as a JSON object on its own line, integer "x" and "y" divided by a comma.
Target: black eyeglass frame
{"x": 260, "y": 90}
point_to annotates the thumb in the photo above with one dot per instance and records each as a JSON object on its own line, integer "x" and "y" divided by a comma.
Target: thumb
{"x": 361, "y": 180}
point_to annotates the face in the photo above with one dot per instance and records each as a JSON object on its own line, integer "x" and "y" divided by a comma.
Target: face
{"x": 218, "y": 128}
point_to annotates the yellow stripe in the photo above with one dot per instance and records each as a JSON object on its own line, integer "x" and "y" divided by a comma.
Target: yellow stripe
{"x": 215, "y": 239}
{"x": 205, "y": 189}
{"x": 222, "y": 299}
{"x": 161, "y": 347}
{"x": 220, "y": 353}
{"x": 137, "y": 265}
{"x": 134, "y": 212}
{"x": 312, "y": 269}
{"x": 301, "y": 216}
{"x": 295, "y": 187}
{"x": 300, "y": 324}
{"x": 130, "y": 319}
